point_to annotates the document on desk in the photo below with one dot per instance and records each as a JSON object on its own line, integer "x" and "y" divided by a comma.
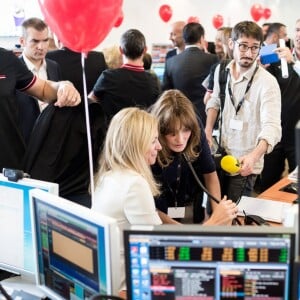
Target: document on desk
{"x": 293, "y": 176}
{"x": 270, "y": 210}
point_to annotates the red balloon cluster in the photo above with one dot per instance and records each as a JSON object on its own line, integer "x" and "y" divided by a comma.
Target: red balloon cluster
{"x": 79, "y": 24}
{"x": 267, "y": 13}
{"x": 217, "y": 21}
{"x": 165, "y": 12}
{"x": 193, "y": 19}
{"x": 257, "y": 12}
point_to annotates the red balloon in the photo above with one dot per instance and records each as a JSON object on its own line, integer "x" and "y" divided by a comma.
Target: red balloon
{"x": 119, "y": 20}
{"x": 217, "y": 21}
{"x": 81, "y": 25}
{"x": 165, "y": 12}
{"x": 257, "y": 12}
{"x": 267, "y": 13}
{"x": 193, "y": 19}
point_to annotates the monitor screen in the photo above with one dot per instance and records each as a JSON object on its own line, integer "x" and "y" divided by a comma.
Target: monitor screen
{"x": 211, "y": 263}
{"x": 16, "y": 250}
{"x": 76, "y": 248}
{"x": 159, "y": 70}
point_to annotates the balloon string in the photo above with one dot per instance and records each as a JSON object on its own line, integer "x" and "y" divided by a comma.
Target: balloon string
{"x": 88, "y": 127}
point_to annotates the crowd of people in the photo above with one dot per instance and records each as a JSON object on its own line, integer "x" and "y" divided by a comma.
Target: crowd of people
{"x": 151, "y": 140}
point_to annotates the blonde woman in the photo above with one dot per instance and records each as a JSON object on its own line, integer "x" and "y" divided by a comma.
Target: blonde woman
{"x": 124, "y": 184}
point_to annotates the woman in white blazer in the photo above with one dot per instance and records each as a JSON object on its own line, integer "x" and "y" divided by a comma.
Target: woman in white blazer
{"x": 124, "y": 184}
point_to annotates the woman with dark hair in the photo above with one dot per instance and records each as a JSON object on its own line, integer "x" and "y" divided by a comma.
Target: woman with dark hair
{"x": 183, "y": 140}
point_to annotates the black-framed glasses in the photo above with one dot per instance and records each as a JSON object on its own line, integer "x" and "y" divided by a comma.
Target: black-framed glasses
{"x": 245, "y": 48}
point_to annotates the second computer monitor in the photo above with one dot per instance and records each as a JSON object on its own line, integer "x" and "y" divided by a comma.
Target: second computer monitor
{"x": 77, "y": 249}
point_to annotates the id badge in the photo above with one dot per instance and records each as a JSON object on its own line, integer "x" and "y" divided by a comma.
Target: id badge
{"x": 176, "y": 212}
{"x": 236, "y": 124}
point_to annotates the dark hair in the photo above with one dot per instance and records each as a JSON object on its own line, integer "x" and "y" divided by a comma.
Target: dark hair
{"x": 274, "y": 28}
{"x": 35, "y": 23}
{"x": 133, "y": 43}
{"x": 147, "y": 59}
{"x": 247, "y": 29}
{"x": 192, "y": 33}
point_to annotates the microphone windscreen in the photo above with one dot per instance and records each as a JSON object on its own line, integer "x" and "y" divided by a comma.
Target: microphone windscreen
{"x": 230, "y": 164}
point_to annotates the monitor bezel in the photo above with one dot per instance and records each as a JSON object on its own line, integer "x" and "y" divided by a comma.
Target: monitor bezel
{"x": 189, "y": 230}
{"x": 50, "y": 187}
{"x": 296, "y": 280}
{"x": 111, "y": 235}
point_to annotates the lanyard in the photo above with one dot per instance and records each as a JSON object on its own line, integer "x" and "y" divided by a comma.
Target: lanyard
{"x": 246, "y": 91}
{"x": 177, "y": 183}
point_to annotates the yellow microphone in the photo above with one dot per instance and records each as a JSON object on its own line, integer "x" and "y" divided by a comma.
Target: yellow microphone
{"x": 230, "y": 164}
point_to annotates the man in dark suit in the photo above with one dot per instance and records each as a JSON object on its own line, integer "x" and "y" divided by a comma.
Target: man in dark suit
{"x": 71, "y": 67}
{"x": 35, "y": 42}
{"x": 176, "y": 38}
{"x": 187, "y": 70}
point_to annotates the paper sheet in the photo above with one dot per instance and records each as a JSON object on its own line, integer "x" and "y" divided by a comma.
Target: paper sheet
{"x": 270, "y": 210}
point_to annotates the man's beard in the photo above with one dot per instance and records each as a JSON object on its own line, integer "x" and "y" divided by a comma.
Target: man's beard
{"x": 246, "y": 62}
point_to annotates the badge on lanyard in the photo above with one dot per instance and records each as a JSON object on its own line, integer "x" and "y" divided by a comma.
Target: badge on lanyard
{"x": 236, "y": 124}
{"x": 176, "y": 212}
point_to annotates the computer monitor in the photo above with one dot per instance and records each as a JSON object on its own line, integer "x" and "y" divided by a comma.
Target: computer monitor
{"x": 16, "y": 249}
{"x": 296, "y": 281}
{"x": 77, "y": 249}
{"x": 159, "y": 69}
{"x": 202, "y": 262}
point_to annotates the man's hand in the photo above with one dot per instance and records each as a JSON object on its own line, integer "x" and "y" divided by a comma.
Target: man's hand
{"x": 247, "y": 164}
{"x": 284, "y": 52}
{"x": 67, "y": 95}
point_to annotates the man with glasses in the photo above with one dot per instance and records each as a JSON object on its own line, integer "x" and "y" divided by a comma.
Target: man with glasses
{"x": 251, "y": 114}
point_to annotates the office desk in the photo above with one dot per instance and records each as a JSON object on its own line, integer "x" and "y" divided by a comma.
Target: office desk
{"x": 274, "y": 193}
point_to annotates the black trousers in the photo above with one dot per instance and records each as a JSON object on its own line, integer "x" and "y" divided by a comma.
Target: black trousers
{"x": 275, "y": 163}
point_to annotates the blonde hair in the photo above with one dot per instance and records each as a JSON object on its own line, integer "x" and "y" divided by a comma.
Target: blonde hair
{"x": 173, "y": 108}
{"x": 128, "y": 138}
{"x": 225, "y": 35}
{"x": 113, "y": 57}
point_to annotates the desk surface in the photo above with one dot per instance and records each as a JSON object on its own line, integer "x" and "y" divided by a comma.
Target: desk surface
{"x": 274, "y": 193}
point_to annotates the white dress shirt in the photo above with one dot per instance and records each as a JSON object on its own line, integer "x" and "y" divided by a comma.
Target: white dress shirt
{"x": 40, "y": 73}
{"x": 260, "y": 113}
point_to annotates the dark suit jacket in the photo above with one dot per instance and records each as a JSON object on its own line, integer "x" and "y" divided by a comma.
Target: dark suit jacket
{"x": 58, "y": 149}
{"x": 186, "y": 72}
{"x": 171, "y": 53}
{"x": 28, "y": 108}
{"x": 71, "y": 68}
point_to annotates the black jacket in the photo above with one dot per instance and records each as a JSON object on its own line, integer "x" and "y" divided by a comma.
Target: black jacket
{"x": 58, "y": 148}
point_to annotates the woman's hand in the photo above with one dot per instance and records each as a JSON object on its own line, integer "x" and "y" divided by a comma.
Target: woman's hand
{"x": 223, "y": 213}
